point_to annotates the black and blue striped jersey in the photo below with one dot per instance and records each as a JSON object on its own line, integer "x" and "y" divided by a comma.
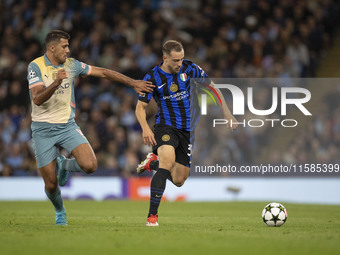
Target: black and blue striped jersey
{"x": 172, "y": 95}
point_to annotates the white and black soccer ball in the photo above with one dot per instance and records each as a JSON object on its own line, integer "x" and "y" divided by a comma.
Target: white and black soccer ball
{"x": 274, "y": 214}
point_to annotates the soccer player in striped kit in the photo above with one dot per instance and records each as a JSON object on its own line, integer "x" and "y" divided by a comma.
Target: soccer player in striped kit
{"x": 51, "y": 86}
{"x": 171, "y": 137}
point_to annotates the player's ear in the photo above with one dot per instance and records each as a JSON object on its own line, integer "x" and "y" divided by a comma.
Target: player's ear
{"x": 164, "y": 57}
{"x": 50, "y": 47}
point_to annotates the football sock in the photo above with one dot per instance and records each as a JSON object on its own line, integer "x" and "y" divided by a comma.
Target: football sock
{"x": 72, "y": 165}
{"x": 56, "y": 200}
{"x": 170, "y": 178}
{"x": 154, "y": 166}
{"x": 157, "y": 188}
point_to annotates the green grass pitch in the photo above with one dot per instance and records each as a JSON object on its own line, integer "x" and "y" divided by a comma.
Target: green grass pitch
{"x": 118, "y": 227}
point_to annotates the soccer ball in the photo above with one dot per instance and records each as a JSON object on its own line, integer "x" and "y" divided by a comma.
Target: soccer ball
{"x": 274, "y": 214}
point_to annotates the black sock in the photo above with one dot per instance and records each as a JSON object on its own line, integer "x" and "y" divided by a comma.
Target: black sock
{"x": 157, "y": 188}
{"x": 154, "y": 166}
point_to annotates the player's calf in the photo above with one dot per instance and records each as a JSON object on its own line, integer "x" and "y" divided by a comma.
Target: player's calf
{"x": 179, "y": 174}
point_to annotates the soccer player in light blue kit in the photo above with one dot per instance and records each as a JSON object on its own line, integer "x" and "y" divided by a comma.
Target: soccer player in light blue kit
{"x": 51, "y": 85}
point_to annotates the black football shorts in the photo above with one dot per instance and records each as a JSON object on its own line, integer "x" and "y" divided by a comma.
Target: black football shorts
{"x": 177, "y": 138}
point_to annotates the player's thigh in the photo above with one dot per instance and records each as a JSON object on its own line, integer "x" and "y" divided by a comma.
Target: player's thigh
{"x": 167, "y": 142}
{"x": 74, "y": 141}
{"x": 44, "y": 147}
{"x": 49, "y": 175}
{"x": 179, "y": 174}
{"x": 166, "y": 156}
{"x": 71, "y": 137}
{"x": 85, "y": 157}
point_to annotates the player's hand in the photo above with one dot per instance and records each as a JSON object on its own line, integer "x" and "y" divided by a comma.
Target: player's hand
{"x": 232, "y": 122}
{"x": 142, "y": 86}
{"x": 149, "y": 137}
{"x": 61, "y": 75}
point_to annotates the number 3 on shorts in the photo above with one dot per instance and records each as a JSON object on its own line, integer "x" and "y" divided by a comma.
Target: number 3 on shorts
{"x": 189, "y": 149}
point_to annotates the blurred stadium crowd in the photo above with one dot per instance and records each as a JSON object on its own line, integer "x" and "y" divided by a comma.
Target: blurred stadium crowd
{"x": 316, "y": 138}
{"x": 320, "y": 140}
{"x": 227, "y": 38}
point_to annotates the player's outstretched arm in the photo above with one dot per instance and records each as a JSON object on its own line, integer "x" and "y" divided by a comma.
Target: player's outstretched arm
{"x": 148, "y": 135}
{"x": 226, "y": 112}
{"x": 40, "y": 94}
{"x": 138, "y": 85}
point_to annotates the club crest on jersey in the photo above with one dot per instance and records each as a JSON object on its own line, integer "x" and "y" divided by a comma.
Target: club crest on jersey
{"x": 173, "y": 87}
{"x": 165, "y": 138}
{"x": 183, "y": 76}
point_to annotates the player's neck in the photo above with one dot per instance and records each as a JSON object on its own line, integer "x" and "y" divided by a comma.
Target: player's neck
{"x": 51, "y": 59}
{"x": 165, "y": 68}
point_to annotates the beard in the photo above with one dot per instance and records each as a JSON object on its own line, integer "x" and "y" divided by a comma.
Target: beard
{"x": 173, "y": 70}
{"x": 61, "y": 59}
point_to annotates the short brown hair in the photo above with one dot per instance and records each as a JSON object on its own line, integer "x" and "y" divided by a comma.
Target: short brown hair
{"x": 55, "y": 35}
{"x": 171, "y": 45}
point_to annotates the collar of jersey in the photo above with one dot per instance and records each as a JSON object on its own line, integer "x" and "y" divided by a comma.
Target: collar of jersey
{"x": 48, "y": 62}
{"x": 163, "y": 72}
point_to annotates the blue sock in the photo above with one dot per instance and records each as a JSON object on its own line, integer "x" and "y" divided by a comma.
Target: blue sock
{"x": 56, "y": 200}
{"x": 72, "y": 165}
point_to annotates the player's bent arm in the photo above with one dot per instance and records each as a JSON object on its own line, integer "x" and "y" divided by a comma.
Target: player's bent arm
{"x": 141, "y": 114}
{"x": 40, "y": 94}
{"x": 148, "y": 135}
{"x": 139, "y": 86}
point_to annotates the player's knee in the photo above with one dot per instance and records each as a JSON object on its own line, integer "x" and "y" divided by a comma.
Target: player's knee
{"x": 179, "y": 184}
{"x": 90, "y": 166}
{"x": 179, "y": 181}
{"x": 51, "y": 186}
